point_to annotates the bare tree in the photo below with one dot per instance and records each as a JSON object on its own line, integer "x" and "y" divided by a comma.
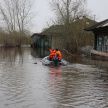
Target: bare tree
{"x": 16, "y": 15}
{"x": 67, "y": 11}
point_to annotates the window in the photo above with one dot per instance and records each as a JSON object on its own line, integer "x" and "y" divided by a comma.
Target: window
{"x": 106, "y": 43}
{"x": 100, "y": 44}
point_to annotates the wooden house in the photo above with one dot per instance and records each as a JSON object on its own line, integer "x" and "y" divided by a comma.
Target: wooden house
{"x": 39, "y": 40}
{"x": 100, "y": 31}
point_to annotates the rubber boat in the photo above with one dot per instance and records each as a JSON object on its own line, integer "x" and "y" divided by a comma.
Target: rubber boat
{"x": 47, "y": 62}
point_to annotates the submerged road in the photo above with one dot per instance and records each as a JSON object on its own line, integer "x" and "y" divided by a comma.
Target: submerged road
{"x": 24, "y": 84}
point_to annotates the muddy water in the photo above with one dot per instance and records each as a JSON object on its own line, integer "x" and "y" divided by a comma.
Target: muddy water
{"x": 26, "y": 83}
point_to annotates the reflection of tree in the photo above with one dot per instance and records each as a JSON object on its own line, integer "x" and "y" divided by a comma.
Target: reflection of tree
{"x": 12, "y": 71}
{"x": 10, "y": 55}
{"x": 55, "y": 75}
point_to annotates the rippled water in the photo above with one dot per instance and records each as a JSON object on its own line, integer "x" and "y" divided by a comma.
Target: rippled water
{"x": 24, "y": 84}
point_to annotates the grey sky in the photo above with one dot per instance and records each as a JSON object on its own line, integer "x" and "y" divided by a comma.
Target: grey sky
{"x": 98, "y": 7}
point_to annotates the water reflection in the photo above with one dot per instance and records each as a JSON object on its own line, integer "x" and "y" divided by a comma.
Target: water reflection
{"x": 81, "y": 88}
{"x": 87, "y": 61}
{"x": 13, "y": 64}
{"x": 24, "y": 84}
{"x": 39, "y": 52}
{"x": 54, "y": 76}
{"x": 10, "y": 56}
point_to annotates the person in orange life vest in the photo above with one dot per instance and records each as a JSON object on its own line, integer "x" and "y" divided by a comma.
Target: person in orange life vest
{"x": 52, "y": 53}
{"x": 58, "y": 54}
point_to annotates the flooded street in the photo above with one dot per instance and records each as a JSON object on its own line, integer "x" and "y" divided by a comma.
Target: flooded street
{"x": 26, "y": 83}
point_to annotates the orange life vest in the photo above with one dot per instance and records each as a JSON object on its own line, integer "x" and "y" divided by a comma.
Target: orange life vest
{"x": 59, "y": 54}
{"x": 52, "y": 53}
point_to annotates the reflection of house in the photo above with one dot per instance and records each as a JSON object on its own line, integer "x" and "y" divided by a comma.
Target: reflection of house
{"x": 38, "y": 40}
{"x": 100, "y": 31}
{"x": 39, "y": 52}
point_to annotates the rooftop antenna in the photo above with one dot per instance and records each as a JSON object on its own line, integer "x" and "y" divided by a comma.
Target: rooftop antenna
{"x": 94, "y": 17}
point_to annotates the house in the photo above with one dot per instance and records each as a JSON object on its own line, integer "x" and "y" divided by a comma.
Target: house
{"x": 55, "y": 33}
{"x": 61, "y": 36}
{"x": 100, "y": 31}
{"x": 69, "y": 37}
{"x": 39, "y": 40}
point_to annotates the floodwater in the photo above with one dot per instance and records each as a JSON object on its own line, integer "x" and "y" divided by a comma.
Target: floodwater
{"x": 26, "y": 83}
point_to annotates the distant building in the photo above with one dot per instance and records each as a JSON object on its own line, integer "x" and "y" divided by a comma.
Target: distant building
{"x": 38, "y": 40}
{"x": 100, "y": 31}
{"x": 54, "y": 33}
{"x": 57, "y": 36}
{"x": 63, "y": 38}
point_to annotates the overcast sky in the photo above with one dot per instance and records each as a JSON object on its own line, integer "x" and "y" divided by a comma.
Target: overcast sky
{"x": 99, "y": 9}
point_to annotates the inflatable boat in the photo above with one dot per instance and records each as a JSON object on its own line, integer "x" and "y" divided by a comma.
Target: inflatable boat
{"x": 47, "y": 62}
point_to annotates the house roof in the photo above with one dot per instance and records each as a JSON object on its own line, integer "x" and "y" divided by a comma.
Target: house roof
{"x": 97, "y": 25}
{"x": 53, "y": 29}
{"x": 38, "y": 34}
{"x": 57, "y": 29}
